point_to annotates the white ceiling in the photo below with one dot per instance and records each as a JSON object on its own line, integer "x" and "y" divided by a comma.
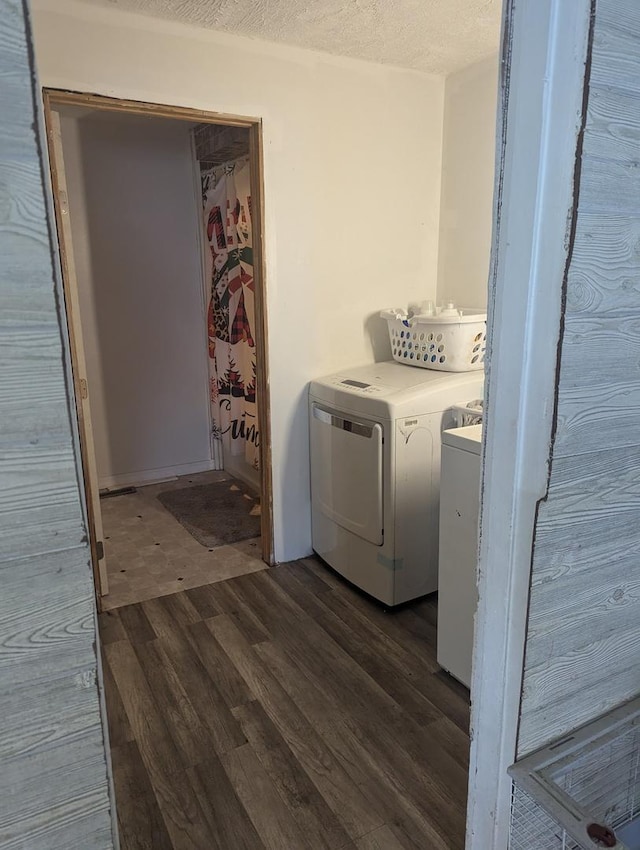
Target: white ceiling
{"x": 438, "y": 36}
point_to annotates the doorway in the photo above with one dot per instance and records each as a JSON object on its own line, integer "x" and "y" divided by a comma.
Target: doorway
{"x": 409, "y": 703}
{"x": 173, "y": 413}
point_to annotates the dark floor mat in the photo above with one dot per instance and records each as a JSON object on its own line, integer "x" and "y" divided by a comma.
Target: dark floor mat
{"x": 214, "y": 514}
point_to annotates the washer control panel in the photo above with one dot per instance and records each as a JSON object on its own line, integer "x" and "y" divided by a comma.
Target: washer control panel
{"x": 356, "y": 386}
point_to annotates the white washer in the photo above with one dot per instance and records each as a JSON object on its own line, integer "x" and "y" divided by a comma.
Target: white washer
{"x": 375, "y": 473}
{"x": 457, "y": 584}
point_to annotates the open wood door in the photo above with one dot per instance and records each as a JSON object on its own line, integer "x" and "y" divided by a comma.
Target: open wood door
{"x": 81, "y": 386}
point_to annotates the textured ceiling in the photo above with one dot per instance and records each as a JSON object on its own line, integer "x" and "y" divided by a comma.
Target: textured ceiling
{"x": 438, "y": 36}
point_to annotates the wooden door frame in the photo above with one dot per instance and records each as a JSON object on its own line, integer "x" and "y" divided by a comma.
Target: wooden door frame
{"x": 53, "y": 98}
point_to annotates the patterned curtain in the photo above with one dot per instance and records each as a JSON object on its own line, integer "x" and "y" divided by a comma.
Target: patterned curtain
{"x": 231, "y": 309}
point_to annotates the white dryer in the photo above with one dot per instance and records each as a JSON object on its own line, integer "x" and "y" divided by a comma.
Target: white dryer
{"x": 375, "y": 472}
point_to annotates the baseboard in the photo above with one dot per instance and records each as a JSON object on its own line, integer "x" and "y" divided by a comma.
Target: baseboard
{"x": 239, "y": 468}
{"x": 151, "y": 476}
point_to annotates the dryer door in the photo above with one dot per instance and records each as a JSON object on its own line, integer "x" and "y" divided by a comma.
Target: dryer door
{"x": 346, "y": 471}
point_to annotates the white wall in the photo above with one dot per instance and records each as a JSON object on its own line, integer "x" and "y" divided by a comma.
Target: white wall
{"x": 466, "y": 214}
{"x": 352, "y": 186}
{"x": 135, "y": 216}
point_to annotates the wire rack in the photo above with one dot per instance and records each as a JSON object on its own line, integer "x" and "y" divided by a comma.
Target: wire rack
{"x": 532, "y": 827}
{"x": 216, "y": 145}
{"x": 583, "y": 791}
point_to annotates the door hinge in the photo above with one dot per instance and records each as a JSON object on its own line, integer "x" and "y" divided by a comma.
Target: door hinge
{"x": 84, "y": 392}
{"x": 99, "y": 550}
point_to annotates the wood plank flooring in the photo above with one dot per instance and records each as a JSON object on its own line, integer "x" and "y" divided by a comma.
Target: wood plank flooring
{"x": 283, "y": 710}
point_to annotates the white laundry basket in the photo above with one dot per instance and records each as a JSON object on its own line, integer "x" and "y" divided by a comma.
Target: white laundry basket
{"x": 449, "y": 343}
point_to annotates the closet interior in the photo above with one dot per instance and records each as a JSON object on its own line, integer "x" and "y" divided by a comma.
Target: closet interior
{"x": 161, "y": 222}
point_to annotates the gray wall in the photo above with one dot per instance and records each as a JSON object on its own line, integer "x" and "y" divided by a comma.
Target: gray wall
{"x": 53, "y": 783}
{"x": 135, "y": 216}
{"x": 583, "y": 642}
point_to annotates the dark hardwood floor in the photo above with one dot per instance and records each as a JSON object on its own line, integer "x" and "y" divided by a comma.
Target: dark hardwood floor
{"x": 283, "y": 710}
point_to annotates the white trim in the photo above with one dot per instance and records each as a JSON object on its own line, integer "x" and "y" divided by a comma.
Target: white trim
{"x": 115, "y": 830}
{"x": 153, "y": 476}
{"x": 545, "y": 44}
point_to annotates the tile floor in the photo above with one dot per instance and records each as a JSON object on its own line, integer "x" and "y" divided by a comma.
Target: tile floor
{"x": 150, "y": 554}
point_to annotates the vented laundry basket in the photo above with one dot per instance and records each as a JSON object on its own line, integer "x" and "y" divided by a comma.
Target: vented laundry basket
{"x": 449, "y": 343}
{"x": 582, "y": 792}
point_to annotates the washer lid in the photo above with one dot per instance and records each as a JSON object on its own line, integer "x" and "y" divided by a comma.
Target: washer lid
{"x": 391, "y": 390}
{"x": 468, "y": 438}
{"x": 392, "y": 377}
